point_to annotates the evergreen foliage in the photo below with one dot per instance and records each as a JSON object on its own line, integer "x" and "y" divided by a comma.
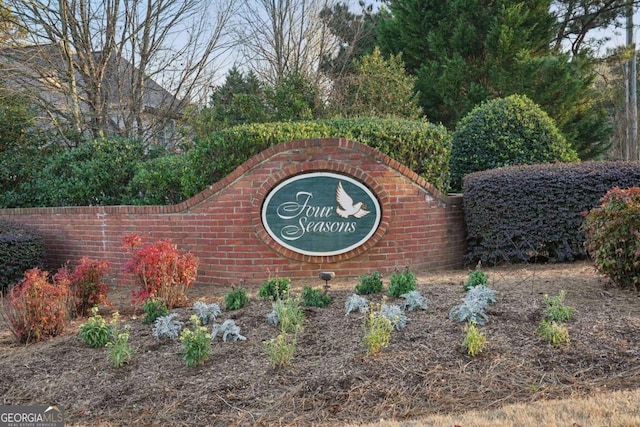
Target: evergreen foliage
{"x": 505, "y": 132}
{"x": 527, "y": 213}
{"x": 464, "y": 54}
{"x": 21, "y": 249}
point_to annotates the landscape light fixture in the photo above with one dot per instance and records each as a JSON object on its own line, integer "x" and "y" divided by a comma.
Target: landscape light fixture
{"x": 326, "y": 276}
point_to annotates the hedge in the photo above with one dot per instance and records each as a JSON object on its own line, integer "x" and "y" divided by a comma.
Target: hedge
{"x": 21, "y": 248}
{"x": 534, "y": 212}
{"x": 423, "y": 147}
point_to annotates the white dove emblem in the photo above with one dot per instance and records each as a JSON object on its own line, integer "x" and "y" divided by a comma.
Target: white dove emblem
{"x": 346, "y": 207}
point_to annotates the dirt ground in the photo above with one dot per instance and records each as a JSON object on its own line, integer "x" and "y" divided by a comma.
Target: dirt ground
{"x": 331, "y": 380}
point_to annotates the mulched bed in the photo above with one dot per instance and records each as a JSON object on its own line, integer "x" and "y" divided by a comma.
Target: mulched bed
{"x": 331, "y": 380}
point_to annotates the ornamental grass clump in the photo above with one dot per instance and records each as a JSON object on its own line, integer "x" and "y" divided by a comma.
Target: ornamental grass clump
{"x": 160, "y": 270}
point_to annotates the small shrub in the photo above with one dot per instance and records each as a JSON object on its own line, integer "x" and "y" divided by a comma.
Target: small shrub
{"x": 281, "y": 349}
{"x": 611, "y": 236}
{"x": 476, "y": 278}
{"x": 395, "y": 314}
{"x": 413, "y": 301}
{"x": 236, "y": 299}
{"x": 166, "y": 327}
{"x": 275, "y": 288}
{"x": 228, "y": 331}
{"x": 473, "y": 307}
{"x": 369, "y": 284}
{"x": 160, "y": 270}
{"x": 552, "y": 332}
{"x": 154, "y": 308}
{"x": 555, "y": 309}
{"x": 97, "y": 332}
{"x": 377, "y": 330}
{"x": 312, "y": 297}
{"x": 402, "y": 282}
{"x": 118, "y": 349}
{"x": 474, "y": 340}
{"x": 87, "y": 285}
{"x": 196, "y": 343}
{"x": 288, "y": 314}
{"x": 206, "y": 313}
{"x": 356, "y": 302}
{"x": 37, "y": 308}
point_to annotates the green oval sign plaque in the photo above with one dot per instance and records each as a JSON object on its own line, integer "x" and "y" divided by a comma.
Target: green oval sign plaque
{"x": 321, "y": 213}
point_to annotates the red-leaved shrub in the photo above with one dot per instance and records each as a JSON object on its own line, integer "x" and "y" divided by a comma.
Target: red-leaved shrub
{"x": 36, "y": 307}
{"x": 612, "y": 236}
{"x": 160, "y": 270}
{"x": 87, "y": 285}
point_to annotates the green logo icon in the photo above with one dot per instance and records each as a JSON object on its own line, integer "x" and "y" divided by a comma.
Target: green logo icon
{"x": 321, "y": 213}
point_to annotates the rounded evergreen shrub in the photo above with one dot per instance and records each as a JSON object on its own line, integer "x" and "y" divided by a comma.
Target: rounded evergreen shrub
{"x": 21, "y": 249}
{"x": 612, "y": 236}
{"x": 505, "y": 132}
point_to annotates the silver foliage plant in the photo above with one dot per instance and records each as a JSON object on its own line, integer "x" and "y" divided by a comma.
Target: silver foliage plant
{"x": 229, "y": 331}
{"x": 356, "y": 302}
{"x": 395, "y": 315}
{"x": 413, "y": 301}
{"x": 206, "y": 313}
{"x": 472, "y": 309}
{"x": 272, "y": 317}
{"x": 166, "y": 327}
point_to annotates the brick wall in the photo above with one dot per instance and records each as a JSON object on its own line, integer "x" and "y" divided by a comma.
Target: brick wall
{"x": 420, "y": 227}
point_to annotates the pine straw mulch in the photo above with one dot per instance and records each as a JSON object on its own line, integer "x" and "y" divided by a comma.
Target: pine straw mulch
{"x": 331, "y": 380}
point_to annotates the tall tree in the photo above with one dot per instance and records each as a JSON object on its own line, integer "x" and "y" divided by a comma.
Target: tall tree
{"x": 379, "y": 87}
{"x": 356, "y": 34}
{"x": 463, "y": 53}
{"x": 117, "y": 66}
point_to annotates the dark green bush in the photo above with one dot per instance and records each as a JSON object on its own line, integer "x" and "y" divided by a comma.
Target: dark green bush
{"x": 236, "y": 299}
{"x": 611, "y": 236}
{"x": 402, "y": 282}
{"x": 158, "y": 181}
{"x": 476, "y": 278}
{"x": 313, "y": 297}
{"x": 369, "y": 284}
{"x": 21, "y": 249}
{"x": 505, "y": 132}
{"x": 534, "y": 212}
{"x": 275, "y": 288}
{"x": 94, "y": 173}
{"x": 421, "y": 146}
